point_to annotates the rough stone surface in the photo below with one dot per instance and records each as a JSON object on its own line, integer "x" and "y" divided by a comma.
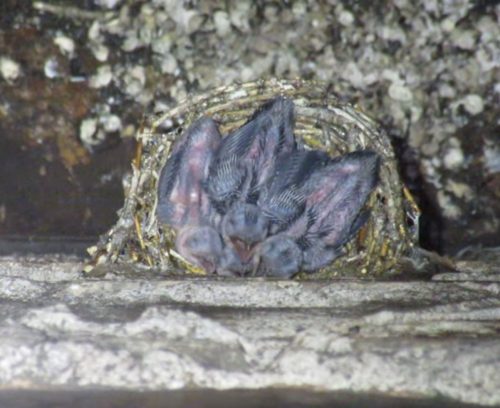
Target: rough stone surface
{"x": 429, "y": 72}
{"x": 426, "y": 339}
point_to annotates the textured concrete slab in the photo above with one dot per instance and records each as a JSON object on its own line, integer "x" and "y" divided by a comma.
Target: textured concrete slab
{"x": 426, "y": 339}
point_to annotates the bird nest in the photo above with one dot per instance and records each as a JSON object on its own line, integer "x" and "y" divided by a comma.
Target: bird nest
{"x": 323, "y": 121}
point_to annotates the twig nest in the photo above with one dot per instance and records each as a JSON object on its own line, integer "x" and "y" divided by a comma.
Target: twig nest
{"x": 322, "y": 121}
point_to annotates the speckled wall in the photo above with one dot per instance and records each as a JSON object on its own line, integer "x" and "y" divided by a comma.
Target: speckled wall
{"x": 77, "y": 77}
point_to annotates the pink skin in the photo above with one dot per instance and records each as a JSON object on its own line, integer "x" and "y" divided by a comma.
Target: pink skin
{"x": 202, "y": 246}
{"x": 190, "y": 202}
{"x": 183, "y": 204}
{"x": 181, "y": 198}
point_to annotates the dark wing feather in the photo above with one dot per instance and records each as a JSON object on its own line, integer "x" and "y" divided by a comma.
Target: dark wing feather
{"x": 246, "y": 156}
{"x": 341, "y": 191}
{"x": 283, "y": 199}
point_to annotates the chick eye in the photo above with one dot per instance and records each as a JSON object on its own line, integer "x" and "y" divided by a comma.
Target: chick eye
{"x": 271, "y": 246}
{"x": 193, "y": 241}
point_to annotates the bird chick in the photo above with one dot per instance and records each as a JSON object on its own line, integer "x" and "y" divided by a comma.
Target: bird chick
{"x": 246, "y": 157}
{"x": 181, "y": 199}
{"x": 336, "y": 195}
{"x": 243, "y": 226}
{"x": 230, "y": 263}
{"x": 200, "y": 245}
{"x": 278, "y": 256}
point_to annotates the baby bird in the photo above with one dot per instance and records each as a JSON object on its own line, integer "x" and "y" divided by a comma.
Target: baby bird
{"x": 200, "y": 245}
{"x": 336, "y": 195}
{"x": 278, "y": 256}
{"x": 181, "y": 199}
{"x": 183, "y": 204}
{"x": 246, "y": 157}
{"x": 333, "y": 195}
{"x": 243, "y": 226}
{"x": 230, "y": 263}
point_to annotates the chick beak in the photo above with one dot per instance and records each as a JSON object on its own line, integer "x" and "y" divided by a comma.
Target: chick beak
{"x": 208, "y": 264}
{"x": 243, "y": 249}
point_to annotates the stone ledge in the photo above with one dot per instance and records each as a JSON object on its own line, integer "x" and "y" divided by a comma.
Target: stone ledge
{"x": 424, "y": 339}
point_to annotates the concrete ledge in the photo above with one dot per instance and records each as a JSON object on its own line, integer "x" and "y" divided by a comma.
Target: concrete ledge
{"x": 424, "y": 339}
